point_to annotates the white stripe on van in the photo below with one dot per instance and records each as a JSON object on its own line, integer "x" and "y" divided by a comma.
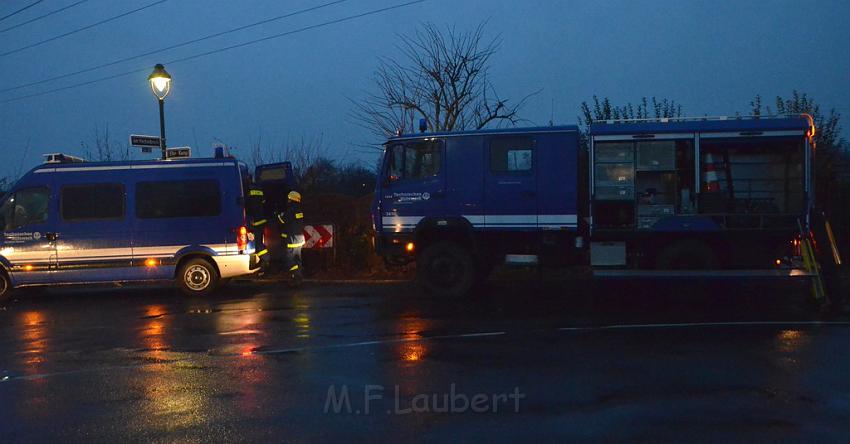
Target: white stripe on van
{"x": 405, "y": 223}
{"x": 130, "y": 167}
{"x": 510, "y": 219}
{"x": 557, "y": 219}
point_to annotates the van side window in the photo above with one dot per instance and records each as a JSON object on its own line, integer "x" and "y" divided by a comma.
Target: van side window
{"x": 93, "y": 201}
{"x": 179, "y": 198}
{"x": 415, "y": 161}
{"x": 511, "y": 155}
{"x": 24, "y": 207}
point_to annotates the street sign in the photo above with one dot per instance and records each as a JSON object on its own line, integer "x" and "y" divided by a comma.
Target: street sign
{"x": 148, "y": 141}
{"x": 178, "y": 152}
{"x": 319, "y": 236}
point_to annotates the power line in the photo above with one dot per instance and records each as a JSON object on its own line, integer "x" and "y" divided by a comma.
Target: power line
{"x": 215, "y": 51}
{"x": 21, "y": 10}
{"x": 167, "y": 48}
{"x": 82, "y": 29}
{"x": 42, "y": 16}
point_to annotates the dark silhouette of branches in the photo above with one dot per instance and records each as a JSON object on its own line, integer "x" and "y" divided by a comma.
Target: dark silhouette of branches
{"x": 441, "y": 78}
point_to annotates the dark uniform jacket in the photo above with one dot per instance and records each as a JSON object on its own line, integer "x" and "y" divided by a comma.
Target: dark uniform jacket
{"x": 293, "y": 222}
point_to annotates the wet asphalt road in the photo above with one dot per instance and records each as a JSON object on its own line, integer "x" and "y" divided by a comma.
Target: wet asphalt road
{"x": 522, "y": 361}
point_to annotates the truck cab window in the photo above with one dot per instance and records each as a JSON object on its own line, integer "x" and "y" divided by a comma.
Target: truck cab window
{"x": 24, "y": 207}
{"x": 415, "y": 161}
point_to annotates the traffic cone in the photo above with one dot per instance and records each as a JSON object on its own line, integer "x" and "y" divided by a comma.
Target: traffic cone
{"x": 712, "y": 180}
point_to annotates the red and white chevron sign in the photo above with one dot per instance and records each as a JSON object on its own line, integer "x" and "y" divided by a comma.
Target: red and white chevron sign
{"x": 318, "y": 236}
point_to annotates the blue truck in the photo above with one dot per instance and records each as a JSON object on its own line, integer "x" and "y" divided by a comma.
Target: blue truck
{"x": 68, "y": 221}
{"x": 664, "y": 197}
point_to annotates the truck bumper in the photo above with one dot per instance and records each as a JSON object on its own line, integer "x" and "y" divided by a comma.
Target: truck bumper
{"x": 394, "y": 247}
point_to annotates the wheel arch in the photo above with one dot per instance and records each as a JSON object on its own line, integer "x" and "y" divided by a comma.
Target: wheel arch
{"x": 190, "y": 253}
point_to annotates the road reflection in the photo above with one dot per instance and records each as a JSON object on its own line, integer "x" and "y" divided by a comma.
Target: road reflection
{"x": 34, "y": 337}
{"x": 792, "y": 345}
{"x": 33, "y": 334}
{"x": 412, "y": 327}
{"x": 302, "y": 316}
{"x": 152, "y": 334}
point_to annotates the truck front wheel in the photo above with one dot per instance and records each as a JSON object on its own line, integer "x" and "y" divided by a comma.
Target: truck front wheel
{"x": 5, "y": 287}
{"x": 446, "y": 269}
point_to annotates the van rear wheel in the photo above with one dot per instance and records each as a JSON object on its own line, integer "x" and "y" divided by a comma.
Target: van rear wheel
{"x": 446, "y": 269}
{"x": 197, "y": 277}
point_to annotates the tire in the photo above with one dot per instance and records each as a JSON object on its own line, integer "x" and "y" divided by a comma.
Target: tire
{"x": 446, "y": 269}
{"x": 687, "y": 255}
{"x": 197, "y": 277}
{"x": 5, "y": 287}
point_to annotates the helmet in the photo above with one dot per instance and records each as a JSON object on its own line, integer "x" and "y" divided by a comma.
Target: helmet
{"x": 294, "y": 196}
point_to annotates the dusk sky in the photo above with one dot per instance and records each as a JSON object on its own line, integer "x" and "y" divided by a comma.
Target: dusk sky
{"x": 711, "y": 56}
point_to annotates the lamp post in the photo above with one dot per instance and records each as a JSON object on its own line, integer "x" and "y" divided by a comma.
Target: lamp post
{"x": 160, "y": 82}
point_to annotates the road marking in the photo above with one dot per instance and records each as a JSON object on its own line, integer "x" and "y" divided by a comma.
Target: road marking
{"x": 706, "y": 324}
{"x": 367, "y": 343}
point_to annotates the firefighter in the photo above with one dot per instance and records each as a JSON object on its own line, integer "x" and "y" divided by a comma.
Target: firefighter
{"x": 292, "y": 235}
{"x": 257, "y": 219}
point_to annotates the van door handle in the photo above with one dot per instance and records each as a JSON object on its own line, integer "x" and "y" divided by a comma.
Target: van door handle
{"x": 51, "y": 236}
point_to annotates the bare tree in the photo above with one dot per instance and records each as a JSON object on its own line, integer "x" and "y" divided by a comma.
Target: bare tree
{"x": 105, "y": 149}
{"x": 441, "y": 78}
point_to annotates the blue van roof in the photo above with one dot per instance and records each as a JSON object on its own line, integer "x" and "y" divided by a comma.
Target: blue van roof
{"x": 697, "y": 125}
{"x": 120, "y": 163}
{"x": 512, "y": 130}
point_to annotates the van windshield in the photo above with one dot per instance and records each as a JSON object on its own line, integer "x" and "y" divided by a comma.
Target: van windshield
{"x": 24, "y": 207}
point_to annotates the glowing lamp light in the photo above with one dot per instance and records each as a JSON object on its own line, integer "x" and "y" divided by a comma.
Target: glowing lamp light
{"x": 160, "y": 82}
{"x": 151, "y": 262}
{"x": 27, "y": 267}
{"x": 409, "y": 247}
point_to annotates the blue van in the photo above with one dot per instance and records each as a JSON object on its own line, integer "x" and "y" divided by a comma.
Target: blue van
{"x": 74, "y": 222}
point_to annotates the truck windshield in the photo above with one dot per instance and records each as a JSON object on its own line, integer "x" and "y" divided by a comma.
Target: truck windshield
{"x": 414, "y": 160}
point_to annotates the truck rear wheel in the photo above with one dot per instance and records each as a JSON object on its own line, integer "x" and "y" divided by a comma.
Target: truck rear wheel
{"x": 197, "y": 277}
{"x": 446, "y": 269}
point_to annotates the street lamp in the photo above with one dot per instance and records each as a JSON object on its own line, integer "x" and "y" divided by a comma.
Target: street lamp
{"x": 160, "y": 82}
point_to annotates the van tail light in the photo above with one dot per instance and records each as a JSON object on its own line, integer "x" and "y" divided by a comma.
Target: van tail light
{"x": 241, "y": 238}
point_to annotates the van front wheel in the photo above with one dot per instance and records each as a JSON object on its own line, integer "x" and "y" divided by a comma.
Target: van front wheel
{"x": 197, "y": 277}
